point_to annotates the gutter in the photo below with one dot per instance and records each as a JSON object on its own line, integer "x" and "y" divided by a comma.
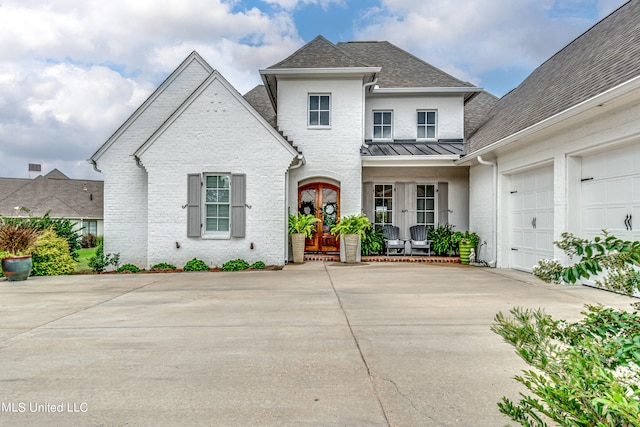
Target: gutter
{"x": 95, "y": 165}
{"x": 494, "y": 203}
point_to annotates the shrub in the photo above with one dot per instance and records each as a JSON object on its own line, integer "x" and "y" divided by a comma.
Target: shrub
{"x": 51, "y": 256}
{"x": 130, "y": 268}
{"x": 100, "y": 261}
{"x": 373, "y": 241}
{"x": 235, "y": 265}
{"x": 617, "y": 258}
{"x": 195, "y": 265}
{"x": 63, "y": 227}
{"x": 89, "y": 241}
{"x": 258, "y": 265}
{"x": 586, "y": 373}
{"x": 442, "y": 239}
{"x": 163, "y": 266}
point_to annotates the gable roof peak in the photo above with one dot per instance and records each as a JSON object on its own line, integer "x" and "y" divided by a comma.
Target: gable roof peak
{"x": 319, "y": 53}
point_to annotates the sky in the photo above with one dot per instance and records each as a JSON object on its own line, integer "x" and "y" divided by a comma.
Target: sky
{"x": 72, "y": 71}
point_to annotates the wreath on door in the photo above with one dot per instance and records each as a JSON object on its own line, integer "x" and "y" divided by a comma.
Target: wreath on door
{"x": 308, "y": 208}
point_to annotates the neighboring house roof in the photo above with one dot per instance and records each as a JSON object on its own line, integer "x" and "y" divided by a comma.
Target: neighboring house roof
{"x": 400, "y": 69}
{"x": 55, "y": 193}
{"x": 605, "y": 56}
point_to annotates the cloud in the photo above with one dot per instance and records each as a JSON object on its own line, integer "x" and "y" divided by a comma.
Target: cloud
{"x": 473, "y": 37}
{"x": 71, "y": 72}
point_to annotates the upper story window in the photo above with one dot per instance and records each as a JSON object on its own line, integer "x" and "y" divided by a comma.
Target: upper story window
{"x": 319, "y": 109}
{"x": 382, "y": 126}
{"x": 426, "y": 125}
{"x": 217, "y": 201}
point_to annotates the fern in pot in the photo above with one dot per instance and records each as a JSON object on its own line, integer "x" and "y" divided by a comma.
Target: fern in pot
{"x": 351, "y": 229}
{"x": 301, "y": 227}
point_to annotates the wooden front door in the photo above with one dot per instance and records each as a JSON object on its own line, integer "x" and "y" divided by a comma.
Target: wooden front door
{"x": 323, "y": 201}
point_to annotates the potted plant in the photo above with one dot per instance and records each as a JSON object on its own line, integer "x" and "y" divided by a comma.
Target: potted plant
{"x": 351, "y": 229}
{"x": 17, "y": 241}
{"x": 442, "y": 240}
{"x": 466, "y": 241}
{"x": 301, "y": 227}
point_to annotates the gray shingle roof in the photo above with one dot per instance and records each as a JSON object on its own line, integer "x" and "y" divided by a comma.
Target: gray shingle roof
{"x": 605, "y": 56}
{"x": 54, "y": 192}
{"x": 477, "y": 110}
{"x": 399, "y": 67}
{"x": 259, "y": 100}
{"x": 318, "y": 53}
{"x": 412, "y": 148}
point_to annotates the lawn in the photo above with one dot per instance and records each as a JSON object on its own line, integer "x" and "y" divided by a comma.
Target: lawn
{"x": 83, "y": 258}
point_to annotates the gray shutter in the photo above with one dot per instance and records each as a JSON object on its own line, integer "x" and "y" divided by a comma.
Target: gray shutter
{"x": 410, "y": 204}
{"x": 238, "y": 202}
{"x": 194, "y": 212}
{"x": 367, "y": 200}
{"x": 399, "y": 205}
{"x": 443, "y": 203}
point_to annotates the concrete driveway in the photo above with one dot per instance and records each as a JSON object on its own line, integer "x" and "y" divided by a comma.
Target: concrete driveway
{"x": 315, "y": 344}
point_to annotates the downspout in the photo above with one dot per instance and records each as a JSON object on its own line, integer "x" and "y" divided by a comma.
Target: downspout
{"x": 301, "y": 161}
{"x": 95, "y": 166}
{"x": 494, "y": 201}
{"x": 364, "y": 110}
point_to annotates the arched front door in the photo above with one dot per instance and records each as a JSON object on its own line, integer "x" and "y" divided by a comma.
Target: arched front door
{"x": 323, "y": 201}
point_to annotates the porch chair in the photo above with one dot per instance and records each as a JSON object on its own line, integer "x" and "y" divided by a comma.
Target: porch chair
{"x": 419, "y": 239}
{"x": 392, "y": 239}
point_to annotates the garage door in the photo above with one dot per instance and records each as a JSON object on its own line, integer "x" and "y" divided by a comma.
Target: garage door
{"x": 531, "y": 217}
{"x": 611, "y": 193}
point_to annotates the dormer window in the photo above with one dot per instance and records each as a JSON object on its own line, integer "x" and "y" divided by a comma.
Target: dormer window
{"x": 382, "y": 125}
{"x": 426, "y": 125}
{"x": 319, "y": 110}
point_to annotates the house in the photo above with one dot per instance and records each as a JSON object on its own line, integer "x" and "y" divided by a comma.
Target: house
{"x": 336, "y": 129}
{"x": 561, "y": 152}
{"x": 55, "y": 193}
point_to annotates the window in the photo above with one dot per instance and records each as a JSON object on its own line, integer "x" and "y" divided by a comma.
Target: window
{"x": 382, "y": 125}
{"x": 426, "y": 204}
{"x": 90, "y": 227}
{"x": 426, "y": 125}
{"x": 383, "y": 204}
{"x": 319, "y": 108}
{"x": 217, "y": 209}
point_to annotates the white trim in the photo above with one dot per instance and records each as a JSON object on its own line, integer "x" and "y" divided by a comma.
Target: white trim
{"x": 407, "y": 161}
{"x": 597, "y": 101}
{"x": 426, "y": 90}
{"x": 317, "y": 71}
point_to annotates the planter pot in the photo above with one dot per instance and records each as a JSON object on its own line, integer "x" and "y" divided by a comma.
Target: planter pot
{"x": 297, "y": 243}
{"x": 350, "y": 247}
{"x": 17, "y": 268}
{"x": 465, "y": 250}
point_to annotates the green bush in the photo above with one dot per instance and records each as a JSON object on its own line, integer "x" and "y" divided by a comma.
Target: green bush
{"x": 618, "y": 259}
{"x": 63, "y": 227}
{"x": 195, "y": 265}
{"x": 128, "y": 268}
{"x": 442, "y": 241}
{"x": 163, "y": 266}
{"x": 235, "y": 265}
{"x": 51, "y": 256}
{"x": 585, "y": 373}
{"x": 258, "y": 265}
{"x": 373, "y": 241}
{"x": 101, "y": 261}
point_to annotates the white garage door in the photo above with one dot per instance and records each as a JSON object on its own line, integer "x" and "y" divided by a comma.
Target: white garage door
{"x": 531, "y": 217}
{"x": 611, "y": 193}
